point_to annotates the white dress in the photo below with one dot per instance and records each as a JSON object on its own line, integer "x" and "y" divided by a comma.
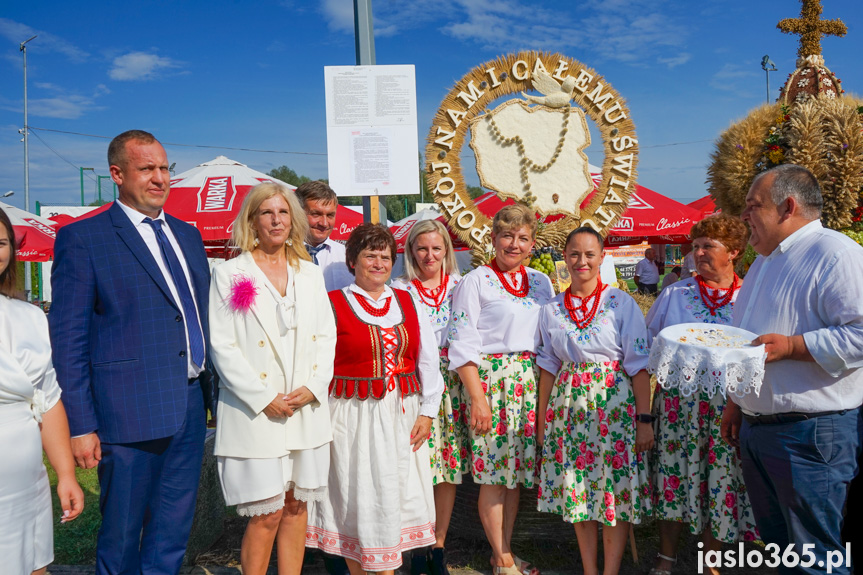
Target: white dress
{"x": 28, "y": 388}
{"x": 379, "y": 497}
{"x": 449, "y": 441}
{"x": 257, "y": 486}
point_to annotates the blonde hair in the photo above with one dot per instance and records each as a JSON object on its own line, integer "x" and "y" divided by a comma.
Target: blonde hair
{"x": 428, "y": 227}
{"x": 243, "y": 235}
{"x": 514, "y": 217}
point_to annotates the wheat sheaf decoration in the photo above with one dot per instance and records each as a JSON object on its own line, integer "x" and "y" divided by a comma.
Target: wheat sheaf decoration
{"x": 814, "y": 124}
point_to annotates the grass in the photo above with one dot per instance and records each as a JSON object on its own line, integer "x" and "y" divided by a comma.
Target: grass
{"x": 75, "y": 542}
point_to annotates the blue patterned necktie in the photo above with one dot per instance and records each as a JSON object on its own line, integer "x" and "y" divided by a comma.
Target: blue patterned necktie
{"x": 313, "y": 251}
{"x": 172, "y": 262}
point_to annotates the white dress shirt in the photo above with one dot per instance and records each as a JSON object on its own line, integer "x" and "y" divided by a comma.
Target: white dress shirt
{"x": 428, "y": 363}
{"x": 810, "y": 285}
{"x": 688, "y": 267}
{"x": 647, "y": 272}
{"x": 149, "y": 237}
{"x": 331, "y": 260}
{"x": 488, "y": 319}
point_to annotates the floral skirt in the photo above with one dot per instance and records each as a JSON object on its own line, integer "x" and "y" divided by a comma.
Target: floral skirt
{"x": 590, "y": 471}
{"x": 449, "y": 443}
{"x": 506, "y": 455}
{"x": 696, "y": 475}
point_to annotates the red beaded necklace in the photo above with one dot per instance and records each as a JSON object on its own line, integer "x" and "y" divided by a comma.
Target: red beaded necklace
{"x": 586, "y": 315}
{"x": 433, "y": 297}
{"x": 370, "y": 309}
{"x": 721, "y": 297}
{"x": 517, "y": 292}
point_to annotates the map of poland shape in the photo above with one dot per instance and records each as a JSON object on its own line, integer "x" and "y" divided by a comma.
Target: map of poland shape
{"x": 539, "y": 128}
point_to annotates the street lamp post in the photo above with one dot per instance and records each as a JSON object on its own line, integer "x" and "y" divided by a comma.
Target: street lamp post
{"x": 765, "y": 62}
{"x": 9, "y": 193}
{"x": 23, "y": 47}
{"x": 81, "y": 171}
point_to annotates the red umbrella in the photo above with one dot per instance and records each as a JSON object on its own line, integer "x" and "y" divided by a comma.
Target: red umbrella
{"x": 346, "y": 220}
{"x": 209, "y": 195}
{"x": 654, "y": 218}
{"x": 34, "y": 235}
{"x": 705, "y": 205}
{"x": 650, "y": 216}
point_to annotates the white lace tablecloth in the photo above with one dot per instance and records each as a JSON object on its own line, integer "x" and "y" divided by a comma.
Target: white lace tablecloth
{"x": 709, "y": 357}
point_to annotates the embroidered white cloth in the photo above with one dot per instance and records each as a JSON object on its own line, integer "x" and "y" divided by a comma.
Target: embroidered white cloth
{"x": 693, "y": 356}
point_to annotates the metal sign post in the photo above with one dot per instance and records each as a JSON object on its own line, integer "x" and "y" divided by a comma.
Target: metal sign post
{"x": 365, "y": 47}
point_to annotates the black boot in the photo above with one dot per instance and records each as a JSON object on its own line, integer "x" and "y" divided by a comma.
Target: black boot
{"x": 437, "y": 561}
{"x": 419, "y": 565}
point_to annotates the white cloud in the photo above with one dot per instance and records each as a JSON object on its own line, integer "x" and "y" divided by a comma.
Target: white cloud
{"x": 18, "y": 32}
{"x": 339, "y": 15}
{"x": 633, "y": 31}
{"x": 60, "y": 103}
{"x": 139, "y": 66}
{"x": 674, "y": 61}
{"x": 738, "y": 78}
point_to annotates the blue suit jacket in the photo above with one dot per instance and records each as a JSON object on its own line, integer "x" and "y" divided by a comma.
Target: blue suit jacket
{"x": 118, "y": 336}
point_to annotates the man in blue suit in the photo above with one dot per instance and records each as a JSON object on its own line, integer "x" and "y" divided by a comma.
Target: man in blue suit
{"x": 129, "y": 333}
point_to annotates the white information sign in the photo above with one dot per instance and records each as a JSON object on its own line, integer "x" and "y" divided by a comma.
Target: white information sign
{"x": 372, "y": 143}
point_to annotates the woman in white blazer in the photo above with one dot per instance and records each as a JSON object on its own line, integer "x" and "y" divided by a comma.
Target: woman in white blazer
{"x": 273, "y": 344}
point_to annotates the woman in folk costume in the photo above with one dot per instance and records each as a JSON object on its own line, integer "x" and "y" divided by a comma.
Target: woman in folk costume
{"x": 385, "y": 392}
{"x": 493, "y": 339}
{"x": 594, "y": 398}
{"x": 32, "y": 419}
{"x": 697, "y": 478}
{"x": 273, "y": 340}
{"x": 430, "y": 276}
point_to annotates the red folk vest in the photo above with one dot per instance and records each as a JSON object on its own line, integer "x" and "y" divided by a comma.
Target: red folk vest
{"x": 359, "y": 366}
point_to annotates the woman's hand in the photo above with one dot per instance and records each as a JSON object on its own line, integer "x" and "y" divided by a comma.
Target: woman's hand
{"x": 480, "y": 415}
{"x": 71, "y": 498}
{"x": 299, "y": 397}
{"x": 278, "y": 408}
{"x": 421, "y": 431}
{"x": 643, "y": 437}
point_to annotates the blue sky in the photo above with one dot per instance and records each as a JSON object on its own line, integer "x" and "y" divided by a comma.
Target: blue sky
{"x": 250, "y": 74}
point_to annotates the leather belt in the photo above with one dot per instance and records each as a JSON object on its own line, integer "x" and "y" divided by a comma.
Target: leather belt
{"x": 789, "y": 417}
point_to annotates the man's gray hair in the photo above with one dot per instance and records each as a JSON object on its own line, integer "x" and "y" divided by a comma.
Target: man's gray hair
{"x": 798, "y": 182}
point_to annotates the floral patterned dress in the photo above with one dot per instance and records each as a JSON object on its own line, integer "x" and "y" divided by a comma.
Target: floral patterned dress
{"x": 449, "y": 443}
{"x": 590, "y": 471}
{"x": 696, "y": 475}
{"x": 498, "y": 332}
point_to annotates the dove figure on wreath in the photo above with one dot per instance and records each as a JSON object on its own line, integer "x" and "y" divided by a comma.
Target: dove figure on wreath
{"x": 534, "y": 153}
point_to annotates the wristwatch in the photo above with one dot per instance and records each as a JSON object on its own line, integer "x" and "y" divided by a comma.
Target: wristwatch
{"x": 644, "y": 418}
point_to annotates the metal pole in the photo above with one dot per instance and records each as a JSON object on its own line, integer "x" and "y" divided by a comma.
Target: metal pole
{"x": 28, "y": 286}
{"x": 767, "y": 75}
{"x": 364, "y": 41}
{"x": 100, "y": 178}
{"x": 82, "y": 182}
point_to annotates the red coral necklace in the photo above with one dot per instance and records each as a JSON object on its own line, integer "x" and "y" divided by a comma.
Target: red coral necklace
{"x": 720, "y": 297}
{"x": 370, "y": 309}
{"x": 433, "y": 297}
{"x": 587, "y": 315}
{"x": 517, "y": 292}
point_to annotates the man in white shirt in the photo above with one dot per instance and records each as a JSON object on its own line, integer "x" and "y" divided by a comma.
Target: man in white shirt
{"x": 647, "y": 273}
{"x": 321, "y": 203}
{"x": 800, "y": 436}
{"x": 688, "y": 268}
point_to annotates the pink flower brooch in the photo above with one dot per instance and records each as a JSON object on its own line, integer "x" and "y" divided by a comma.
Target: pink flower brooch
{"x": 243, "y": 293}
